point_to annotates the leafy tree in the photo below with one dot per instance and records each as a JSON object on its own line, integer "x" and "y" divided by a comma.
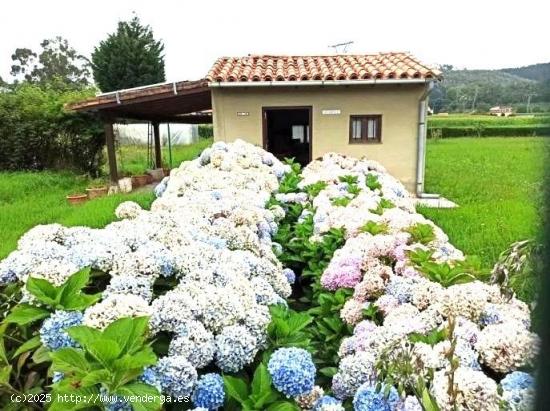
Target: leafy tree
{"x": 57, "y": 65}
{"x": 131, "y": 57}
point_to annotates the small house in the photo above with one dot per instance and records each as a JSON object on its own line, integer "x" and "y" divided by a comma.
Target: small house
{"x": 372, "y": 105}
{"x": 501, "y": 111}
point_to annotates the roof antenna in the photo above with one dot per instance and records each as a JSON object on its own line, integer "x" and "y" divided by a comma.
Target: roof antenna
{"x": 344, "y": 46}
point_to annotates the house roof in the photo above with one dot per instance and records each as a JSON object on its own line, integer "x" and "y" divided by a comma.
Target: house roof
{"x": 380, "y": 66}
{"x": 157, "y": 102}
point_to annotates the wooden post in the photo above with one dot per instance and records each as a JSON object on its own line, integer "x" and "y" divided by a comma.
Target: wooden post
{"x": 158, "y": 156}
{"x": 111, "y": 154}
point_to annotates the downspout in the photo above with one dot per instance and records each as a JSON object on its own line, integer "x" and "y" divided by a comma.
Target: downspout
{"x": 421, "y": 146}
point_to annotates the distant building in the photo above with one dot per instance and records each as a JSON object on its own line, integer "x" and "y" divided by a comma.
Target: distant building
{"x": 501, "y": 111}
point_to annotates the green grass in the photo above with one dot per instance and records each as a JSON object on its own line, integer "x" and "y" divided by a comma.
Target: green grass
{"x": 497, "y": 183}
{"x": 465, "y": 120}
{"x": 31, "y": 198}
{"x": 132, "y": 159}
{"x": 28, "y": 199}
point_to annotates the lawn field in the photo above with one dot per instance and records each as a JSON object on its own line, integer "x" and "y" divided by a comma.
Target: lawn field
{"x": 31, "y": 198}
{"x": 467, "y": 120}
{"x": 497, "y": 183}
{"x": 132, "y": 159}
{"x": 28, "y": 199}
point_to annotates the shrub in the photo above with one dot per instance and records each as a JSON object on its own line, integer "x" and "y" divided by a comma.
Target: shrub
{"x": 206, "y": 131}
{"x": 37, "y": 133}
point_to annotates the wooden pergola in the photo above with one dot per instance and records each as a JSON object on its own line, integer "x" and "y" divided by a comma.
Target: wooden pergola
{"x": 187, "y": 102}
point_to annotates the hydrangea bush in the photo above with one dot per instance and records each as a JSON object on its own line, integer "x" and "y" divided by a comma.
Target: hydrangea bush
{"x": 231, "y": 235}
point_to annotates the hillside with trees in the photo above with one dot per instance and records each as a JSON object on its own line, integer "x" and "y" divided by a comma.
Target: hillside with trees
{"x": 527, "y": 89}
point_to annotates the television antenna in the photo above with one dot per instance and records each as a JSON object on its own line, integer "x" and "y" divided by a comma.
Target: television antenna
{"x": 344, "y": 47}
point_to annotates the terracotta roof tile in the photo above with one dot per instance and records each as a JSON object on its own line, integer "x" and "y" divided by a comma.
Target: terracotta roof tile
{"x": 383, "y": 66}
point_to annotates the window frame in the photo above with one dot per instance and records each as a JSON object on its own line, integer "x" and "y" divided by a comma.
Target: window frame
{"x": 366, "y": 140}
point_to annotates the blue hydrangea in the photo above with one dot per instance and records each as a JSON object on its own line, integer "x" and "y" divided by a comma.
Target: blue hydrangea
{"x": 324, "y": 401}
{"x": 292, "y": 371}
{"x": 490, "y": 315}
{"x": 113, "y": 402}
{"x": 130, "y": 284}
{"x": 401, "y": 288}
{"x": 277, "y": 248}
{"x": 268, "y": 159}
{"x": 204, "y": 158}
{"x": 149, "y": 376}
{"x": 175, "y": 375}
{"x": 518, "y": 391}
{"x": 517, "y": 380}
{"x": 368, "y": 398}
{"x": 161, "y": 187}
{"x": 7, "y": 275}
{"x": 57, "y": 376}
{"x": 209, "y": 392}
{"x": 52, "y": 332}
{"x": 216, "y": 195}
{"x": 235, "y": 348}
{"x": 290, "y": 275}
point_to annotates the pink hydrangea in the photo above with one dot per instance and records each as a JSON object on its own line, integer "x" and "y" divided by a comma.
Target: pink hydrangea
{"x": 345, "y": 273}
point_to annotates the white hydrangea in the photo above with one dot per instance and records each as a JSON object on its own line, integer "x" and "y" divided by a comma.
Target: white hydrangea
{"x": 113, "y": 307}
{"x": 474, "y": 391}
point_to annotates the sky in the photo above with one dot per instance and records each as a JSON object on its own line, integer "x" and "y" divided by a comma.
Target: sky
{"x": 467, "y": 34}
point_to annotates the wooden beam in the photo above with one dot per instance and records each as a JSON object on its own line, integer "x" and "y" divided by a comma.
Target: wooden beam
{"x": 111, "y": 154}
{"x": 158, "y": 156}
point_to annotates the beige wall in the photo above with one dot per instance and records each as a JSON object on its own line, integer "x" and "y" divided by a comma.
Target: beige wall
{"x": 398, "y": 105}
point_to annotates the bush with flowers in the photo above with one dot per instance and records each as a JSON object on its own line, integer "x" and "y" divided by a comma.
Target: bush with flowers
{"x": 252, "y": 284}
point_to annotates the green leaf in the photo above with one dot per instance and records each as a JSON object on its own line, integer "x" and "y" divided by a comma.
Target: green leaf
{"x": 95, "y": 377}
{"x": 5, "y": 373}
{"x": 328, "y": 371}
{"x": 73, "y": 285}
{"x": 283, "y": 406}
{"x": 84, "y": 335}
{"x": 82, "y": 301}
{"x": 105, "y": 351}
{"x": 125, "y": 331}
{"x": 137, "y": 334}
{"x": 42, "y": 354}
{"x": 261, "y": 382}
{"x": 28, "y": 345}
{"x": 235, "y": 388}
{"x": 69, "y": 359}
{"x": 42, "y": 290}
{"x": 139, "y": 359}
{"x": 24, "y": 314}
{"x": 143, "y": 391}
{"x": 428, "y": 403}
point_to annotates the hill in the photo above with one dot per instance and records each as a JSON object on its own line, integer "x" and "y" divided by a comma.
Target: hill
{"x": 538, "y": 72}
{"x": 525, "y": 88}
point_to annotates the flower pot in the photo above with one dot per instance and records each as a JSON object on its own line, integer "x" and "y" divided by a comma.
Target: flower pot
{"x": 140, "y": 181}
{"x": 96, "y": 192}
{"x": 156, "y": 174}
{"x": 77, "y": 198}
{"x": 125, "y": 184}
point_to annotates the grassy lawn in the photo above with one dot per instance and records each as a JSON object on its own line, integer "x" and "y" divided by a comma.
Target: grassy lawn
{"x": 497, "y": 183}
{"x": 132, "y": 159}
{"x": 28, "y": 199}
{"x": 467, "y": 120}
{"x": 31, "y": 198}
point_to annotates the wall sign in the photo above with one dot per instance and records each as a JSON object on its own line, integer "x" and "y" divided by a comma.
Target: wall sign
{"x": 243, "y": 113}
{"x": 331, "y": 112}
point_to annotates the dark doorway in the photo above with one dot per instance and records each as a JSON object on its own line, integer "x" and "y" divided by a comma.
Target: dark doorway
{"x": 287, "y": 132}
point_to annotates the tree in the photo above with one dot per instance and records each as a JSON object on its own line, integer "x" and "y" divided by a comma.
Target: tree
{"x": 58, "y": 65}
{"x": 131, "y": 57}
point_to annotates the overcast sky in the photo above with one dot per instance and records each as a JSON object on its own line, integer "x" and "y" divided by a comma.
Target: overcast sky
{"x": 471, "y": 34}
